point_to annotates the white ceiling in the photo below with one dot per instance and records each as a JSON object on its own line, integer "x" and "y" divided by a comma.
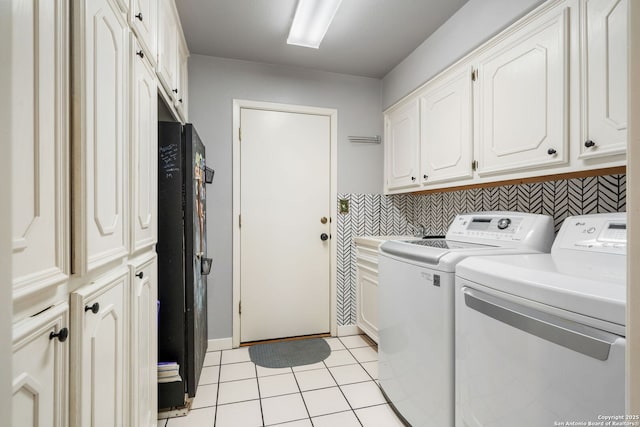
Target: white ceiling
{"x": 366, "y": 38}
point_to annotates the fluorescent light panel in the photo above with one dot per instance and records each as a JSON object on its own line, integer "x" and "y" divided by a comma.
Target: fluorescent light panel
{"x": 311, "y": 22}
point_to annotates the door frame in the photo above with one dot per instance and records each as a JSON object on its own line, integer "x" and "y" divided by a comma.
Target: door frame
{"x": 238, "y": 104}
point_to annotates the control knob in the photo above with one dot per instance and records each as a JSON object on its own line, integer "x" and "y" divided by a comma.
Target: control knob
{"x": 503, "y": 223}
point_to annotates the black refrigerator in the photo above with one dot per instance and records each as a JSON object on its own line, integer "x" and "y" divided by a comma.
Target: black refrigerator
{"x": 183, "y": 265}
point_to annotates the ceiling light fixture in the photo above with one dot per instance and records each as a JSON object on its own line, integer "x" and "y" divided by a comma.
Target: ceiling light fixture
{"x": 311, "y": 22}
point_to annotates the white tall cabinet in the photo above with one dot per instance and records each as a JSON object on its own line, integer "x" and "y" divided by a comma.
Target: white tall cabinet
{"x": 84, "y": 200}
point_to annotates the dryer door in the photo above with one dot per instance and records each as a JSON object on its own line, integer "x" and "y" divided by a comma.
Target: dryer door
{"x": 519, "y": 365}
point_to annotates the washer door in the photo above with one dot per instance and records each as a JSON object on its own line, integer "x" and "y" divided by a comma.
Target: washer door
{"x": 519, "y": 365}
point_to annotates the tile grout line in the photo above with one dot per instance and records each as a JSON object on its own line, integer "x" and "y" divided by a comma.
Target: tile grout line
{"x": 304, "y": 402}
{"x": 255, "y": 367}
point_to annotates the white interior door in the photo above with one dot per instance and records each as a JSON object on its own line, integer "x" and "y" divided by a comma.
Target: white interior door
{"x": 284, "y": 195}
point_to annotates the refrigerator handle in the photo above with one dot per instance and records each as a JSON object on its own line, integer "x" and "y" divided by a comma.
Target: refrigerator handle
{"x": 205, "y": 265}
{"x": 208, "y": 174}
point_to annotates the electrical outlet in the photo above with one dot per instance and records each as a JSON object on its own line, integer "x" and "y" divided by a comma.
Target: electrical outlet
{"x": 344, "y": 206}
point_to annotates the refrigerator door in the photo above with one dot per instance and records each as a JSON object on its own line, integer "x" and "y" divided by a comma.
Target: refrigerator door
{"x": 195, "y": 254}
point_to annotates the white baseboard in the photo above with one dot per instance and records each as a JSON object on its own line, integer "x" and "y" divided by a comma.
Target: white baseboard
{"x": 345, "y": 330}
{"x": 220, "y": 344}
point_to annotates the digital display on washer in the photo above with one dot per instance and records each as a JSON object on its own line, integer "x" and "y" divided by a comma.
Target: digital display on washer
{"x": 479, "y": 224}
{"x": 617, "y": 226}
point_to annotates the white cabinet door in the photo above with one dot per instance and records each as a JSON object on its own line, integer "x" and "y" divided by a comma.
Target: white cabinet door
{"x": 144, "y": 344}
{"x": 402, "y": 146}
{"x": 522, "y": 114}
{"x": 446, "y": 129}
{"x": 168, "y": 40}
{"x": 182, "y": 97}
{"x": 100, "y": 194}
{"x": 367, "y": 290}
{"x": 605, "y": 98}
{"x": 98, "y": 348}
{"x": 40, "y": 394}
{"x": 143, "y": 17}
{"x": 143, "y": 152}
{"x": 39, "y": 144}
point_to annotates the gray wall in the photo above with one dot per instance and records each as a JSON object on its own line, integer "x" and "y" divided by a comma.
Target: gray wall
{"x": 467, "y": 29}
{"x": 214, "y": 83}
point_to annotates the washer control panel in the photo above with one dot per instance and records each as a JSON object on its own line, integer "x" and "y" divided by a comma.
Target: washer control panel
{"x": 594, "y": 233}
{"x": 503, "y": 228}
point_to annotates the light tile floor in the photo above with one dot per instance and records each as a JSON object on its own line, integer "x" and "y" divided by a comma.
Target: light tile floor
{"x": 341, "y": 391}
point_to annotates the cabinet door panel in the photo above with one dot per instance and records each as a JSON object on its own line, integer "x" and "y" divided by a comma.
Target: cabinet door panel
{"x": 40, "y": 370}
{"x": 168, "y": 47}
{"x": 144, "y": 148}
{"x": 446, "y": 130}
{"x": 98, "y": 393}
{"x": 606, "y": 78}
{"x": 143, "y": 16}
{"x": 39, "y": 145}
{"x": 101, "y": 230}
{"x": 144, "y": 347}
{"x": 402, "y": 143}
{"x": 523, "y": 114}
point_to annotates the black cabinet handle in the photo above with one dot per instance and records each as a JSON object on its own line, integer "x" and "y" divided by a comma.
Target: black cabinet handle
{"x": 551, "y": 151}
{"x": 140, "y": 54}
{"x": 62, "y": 335}
{"x": 93, "y": 308}
{"x": 589, "y": 144}
{"x": 140, "y": 275}
{"x": 139, "y": 16}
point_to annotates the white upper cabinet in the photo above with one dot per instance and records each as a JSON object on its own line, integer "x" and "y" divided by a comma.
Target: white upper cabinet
{"x": 39, "y": 145}
{"x": 402, "y": 146}
{"x": 143, "y": 156}
{"x": 143, "y": 18}
{"x": 99, "y": 337}
{"x": 100, "y": 183}
{"x": 168, "y": 47}
{"x": 40, "y": 359}
{"x": 446, "y": 129}
{"x": 522, "y": 112}
{"x": 605, "y": 78}
{"x": 183, "y": 79}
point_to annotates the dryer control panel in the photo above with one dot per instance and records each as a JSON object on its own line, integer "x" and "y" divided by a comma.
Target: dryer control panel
{"x": 594, "y": 233}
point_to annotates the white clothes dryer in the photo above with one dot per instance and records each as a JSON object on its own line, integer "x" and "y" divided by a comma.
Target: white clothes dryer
{"x": 540, "y": 339}
{"x": 416, "y": 307}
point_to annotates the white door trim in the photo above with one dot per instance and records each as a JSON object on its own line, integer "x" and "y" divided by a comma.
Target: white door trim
{"x": 258, "y": 105}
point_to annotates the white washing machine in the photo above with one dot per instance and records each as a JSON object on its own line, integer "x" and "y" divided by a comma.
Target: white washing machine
{"x": 416, "y": 307}
{"x": 540, "y": 339}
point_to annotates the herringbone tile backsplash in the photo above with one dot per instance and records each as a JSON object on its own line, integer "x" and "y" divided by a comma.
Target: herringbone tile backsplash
{"x": 379, "y": 215}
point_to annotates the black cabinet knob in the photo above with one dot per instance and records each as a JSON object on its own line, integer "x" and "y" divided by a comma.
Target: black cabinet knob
{"x": 140, "y": 54}
{"x": 324, "y": 237}
{"x": 140, "y": 275}
{"x": 551, "y": 151}
{"x": 62, "y": 335}
{"x": 425, "y": 176}
{"x": 589, "y": 144}
{"x": 180, "y": 100}
{"x": 413, "y": 178}
{"x": 93, "y": 308}
{"x": 139, "y": 16}
{"x": 175, "y": 91}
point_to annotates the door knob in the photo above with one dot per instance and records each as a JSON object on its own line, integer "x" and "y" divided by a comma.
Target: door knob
{"x": 92, "y": 308}
{"x": 62, "y": 335}
{"x": 324, "y": 237}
